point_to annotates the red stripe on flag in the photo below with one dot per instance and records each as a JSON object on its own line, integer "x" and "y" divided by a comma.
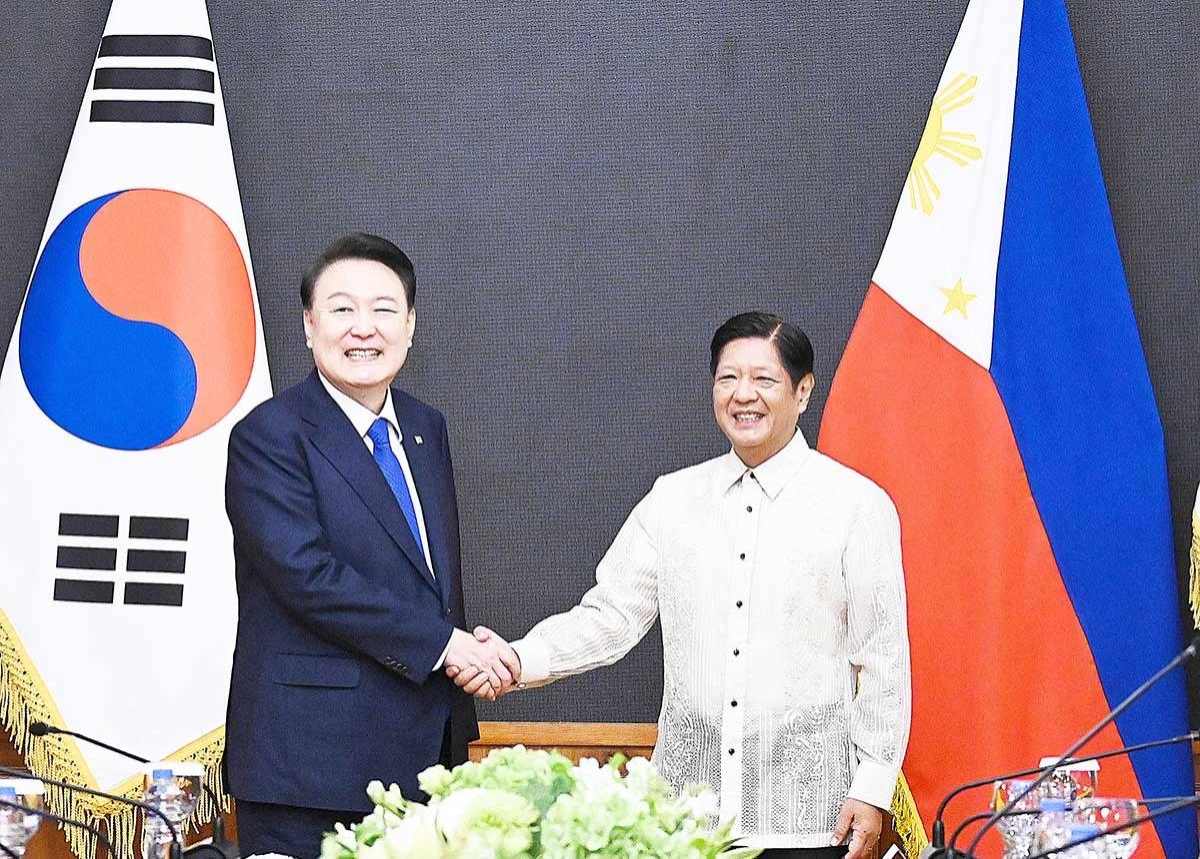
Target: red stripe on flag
{"x": 1002, "y": 673}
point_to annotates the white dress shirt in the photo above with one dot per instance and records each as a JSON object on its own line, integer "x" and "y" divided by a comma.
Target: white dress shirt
{"x": 363, "y": 418}
{"x": 785, "y": 646}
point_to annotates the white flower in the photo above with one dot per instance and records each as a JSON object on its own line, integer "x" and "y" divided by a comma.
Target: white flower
{"x": 415, "y": 837}
{"x": 485, "y": 822}
{"x": 345, "y": 837}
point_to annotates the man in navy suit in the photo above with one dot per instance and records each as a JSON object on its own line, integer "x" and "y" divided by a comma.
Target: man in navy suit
{"x": 341, "y": 495}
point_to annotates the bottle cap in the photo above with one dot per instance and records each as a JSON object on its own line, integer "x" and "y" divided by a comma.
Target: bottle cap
{"x": 159, "y": 775}
{"x": 8, "y": 792}
{"x": 1053, "y": 803}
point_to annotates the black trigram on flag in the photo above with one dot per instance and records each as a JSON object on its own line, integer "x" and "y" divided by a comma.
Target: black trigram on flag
{"x": 101, "y": 554}
{"x": 160, "y": 73}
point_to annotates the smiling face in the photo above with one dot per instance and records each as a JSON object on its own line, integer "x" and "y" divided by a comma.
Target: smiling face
{"x": 359, "y": 328}
{"x": 755, "y": 402}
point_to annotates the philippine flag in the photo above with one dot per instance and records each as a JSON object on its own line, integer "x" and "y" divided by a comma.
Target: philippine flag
{"x": 137, "y": 348}
{"x": 995, "y": 386}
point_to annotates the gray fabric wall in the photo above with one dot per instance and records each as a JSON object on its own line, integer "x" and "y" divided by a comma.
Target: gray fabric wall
{"x": 588, "y": 189}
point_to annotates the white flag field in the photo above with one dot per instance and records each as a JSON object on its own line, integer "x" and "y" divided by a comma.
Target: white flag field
{"x": 138, "y": 346}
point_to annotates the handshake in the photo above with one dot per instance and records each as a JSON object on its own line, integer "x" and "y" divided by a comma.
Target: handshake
{"x": 483, "y": 664}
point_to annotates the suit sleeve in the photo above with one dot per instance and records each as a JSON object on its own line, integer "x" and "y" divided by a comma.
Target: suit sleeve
{"x": 271, "y": 505}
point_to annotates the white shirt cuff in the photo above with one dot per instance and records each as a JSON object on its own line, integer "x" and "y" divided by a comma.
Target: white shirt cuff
{"x": 535, "y": 661}
{"x": 437, "y": 666}
{"x": 874, "y": 784}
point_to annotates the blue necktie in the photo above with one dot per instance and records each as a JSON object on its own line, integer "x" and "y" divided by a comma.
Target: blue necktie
{"x": 390, "y": 466}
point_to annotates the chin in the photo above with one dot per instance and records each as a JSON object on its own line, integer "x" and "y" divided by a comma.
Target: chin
{"x": 749, "y": 438}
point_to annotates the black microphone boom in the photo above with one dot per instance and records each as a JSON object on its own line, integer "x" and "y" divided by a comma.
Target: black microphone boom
{"x": 951, "y": 853}
{"x": 176, "y": 842}
{"x": 41, "y": 729}
{"x": 65, "y": 821}
{"x": 937, "y": 840}
{"x": 222, "y": 848}
{"x": 1187, "y": 653}
{"x": 1184, "y": 803}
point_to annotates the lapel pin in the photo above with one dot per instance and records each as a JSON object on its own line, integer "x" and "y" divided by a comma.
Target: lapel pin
{"x": 418, "y": 439}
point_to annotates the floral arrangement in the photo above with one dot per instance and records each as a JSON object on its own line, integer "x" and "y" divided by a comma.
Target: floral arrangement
{"x": 521, "y": 804}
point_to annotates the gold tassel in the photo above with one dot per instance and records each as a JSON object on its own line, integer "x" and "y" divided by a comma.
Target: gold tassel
{"x": 1194, "y": 578}
{"x": 24, "y": 699}
{"x": 906, "y": 820}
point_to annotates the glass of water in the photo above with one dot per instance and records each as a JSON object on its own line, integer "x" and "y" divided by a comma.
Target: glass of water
{"x": 1018, "y": 828}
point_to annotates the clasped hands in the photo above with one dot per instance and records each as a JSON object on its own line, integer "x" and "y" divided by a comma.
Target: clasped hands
{"x": 483, "y": 664}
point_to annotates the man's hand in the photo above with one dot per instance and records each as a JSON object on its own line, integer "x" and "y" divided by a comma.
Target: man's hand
{"x": 862, "y": 822}
{"x": 487, "y": 667}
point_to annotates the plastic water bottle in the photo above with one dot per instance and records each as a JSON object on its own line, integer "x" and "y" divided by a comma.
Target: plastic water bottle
{"x": 165, "y": 795}
{"x": 13, "y": 832}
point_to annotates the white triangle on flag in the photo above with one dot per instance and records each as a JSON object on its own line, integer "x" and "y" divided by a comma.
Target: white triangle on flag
{"x": 939, "y": 261}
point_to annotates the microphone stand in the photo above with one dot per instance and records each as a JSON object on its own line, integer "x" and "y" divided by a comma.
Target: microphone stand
{"x": 223, "y": 848}
{"x": 1188, "y": 653}
{"x": 938, "y": 837}
{"x": 1129, "y": 824}
{"x": 950, "y": 853}
{"x": 176, "y": 842}
{"x": 66, "y": 821}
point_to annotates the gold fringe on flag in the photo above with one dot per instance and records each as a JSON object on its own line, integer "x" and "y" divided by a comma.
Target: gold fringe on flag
{"x": 1194, "y": 578}
{"x": 906, "y": 820}
{"x": 24, "y": 699}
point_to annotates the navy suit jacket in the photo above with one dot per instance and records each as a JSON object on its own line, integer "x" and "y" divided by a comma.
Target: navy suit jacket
{"x": 339, "y": 619}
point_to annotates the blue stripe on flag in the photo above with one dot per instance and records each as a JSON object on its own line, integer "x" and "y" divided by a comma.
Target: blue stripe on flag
{"x": 1069, "y": 366}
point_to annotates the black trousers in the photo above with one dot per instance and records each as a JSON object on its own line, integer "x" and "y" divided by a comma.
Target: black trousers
{"x": 806, "y": 853}
{"x": 264, "y": 827}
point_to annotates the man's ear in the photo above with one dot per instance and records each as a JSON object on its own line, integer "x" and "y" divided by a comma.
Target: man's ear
{"x": 804, "y": 390}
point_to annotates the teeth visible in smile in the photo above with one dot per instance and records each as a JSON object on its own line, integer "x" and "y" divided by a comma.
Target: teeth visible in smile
{"x": 356, "y": 354}
{"x": 747, "y": 417}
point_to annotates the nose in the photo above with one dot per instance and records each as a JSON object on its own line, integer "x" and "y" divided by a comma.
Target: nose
{"x": 363, "y": 325}
{"x": 745, "y": 391}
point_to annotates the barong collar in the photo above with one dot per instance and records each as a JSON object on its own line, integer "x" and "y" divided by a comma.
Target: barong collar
{"x": 771, "y": 475}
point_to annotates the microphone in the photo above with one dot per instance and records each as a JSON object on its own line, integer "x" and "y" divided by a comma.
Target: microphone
{"x": 223, "y": 848}
{"x": 176, "y": 841}
{"x": 65, "y": 821}
{"x": 943, "y": 852}
{"x": 41, "y": 729}
{"x": 937, "y": 841}
{"x": 1186, "y": 802}
{"x": 1187, "y": 653}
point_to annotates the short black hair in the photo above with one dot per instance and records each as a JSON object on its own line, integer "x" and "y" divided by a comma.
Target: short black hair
{"x": 794, "y": 348}
{"x": 361, "y": 246}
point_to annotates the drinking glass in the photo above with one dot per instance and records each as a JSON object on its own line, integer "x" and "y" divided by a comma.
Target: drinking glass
{"x": 1016, "y": 830}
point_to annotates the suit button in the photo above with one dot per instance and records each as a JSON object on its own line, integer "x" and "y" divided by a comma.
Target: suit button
{"x": 447, "y": 612}
{"x": 404, "y": 668}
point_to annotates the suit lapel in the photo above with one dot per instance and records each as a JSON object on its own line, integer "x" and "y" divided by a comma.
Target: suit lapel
{"x": 421, "y": 461}
{"x": 334, "y": 436}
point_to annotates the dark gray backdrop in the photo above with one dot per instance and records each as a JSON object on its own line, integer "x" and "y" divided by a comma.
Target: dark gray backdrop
{"x": 588, "y": 189}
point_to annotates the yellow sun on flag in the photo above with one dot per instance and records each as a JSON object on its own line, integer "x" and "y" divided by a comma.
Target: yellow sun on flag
{"x": 958, "y": 146}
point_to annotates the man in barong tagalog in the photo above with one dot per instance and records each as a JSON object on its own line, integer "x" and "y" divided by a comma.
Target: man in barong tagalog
{"x": 776, "y": 574}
